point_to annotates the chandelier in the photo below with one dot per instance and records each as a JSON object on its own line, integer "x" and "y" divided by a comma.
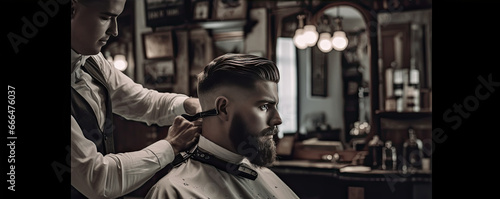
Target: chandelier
{"x": 308, "y": 36}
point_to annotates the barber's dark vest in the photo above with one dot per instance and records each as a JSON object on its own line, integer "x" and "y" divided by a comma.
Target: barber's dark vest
{"x": 87, "y": 120}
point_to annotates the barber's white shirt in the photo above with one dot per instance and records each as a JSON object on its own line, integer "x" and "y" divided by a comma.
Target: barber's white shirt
{"x": 194, "y": 179}
{"x": 114, "y": 175}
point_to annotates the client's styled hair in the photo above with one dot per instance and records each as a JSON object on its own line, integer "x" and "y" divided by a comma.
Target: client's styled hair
{"x": 241, "y": 70}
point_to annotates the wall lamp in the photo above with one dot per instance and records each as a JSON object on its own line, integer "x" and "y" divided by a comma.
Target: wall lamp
{"x": 119, "y": 61}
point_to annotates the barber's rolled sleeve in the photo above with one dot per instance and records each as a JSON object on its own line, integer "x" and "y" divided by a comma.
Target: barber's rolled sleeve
{"x": 163, "y": 151}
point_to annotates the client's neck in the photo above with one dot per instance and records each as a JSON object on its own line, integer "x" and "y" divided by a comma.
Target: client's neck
{"x": 214, "y": 130}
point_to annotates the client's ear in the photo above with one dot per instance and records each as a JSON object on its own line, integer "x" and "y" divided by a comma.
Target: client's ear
{"x": 221, "y": 103}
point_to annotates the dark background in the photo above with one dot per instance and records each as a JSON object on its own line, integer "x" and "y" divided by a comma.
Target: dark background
{"x": 40, "y": 74}
{"x": 464, "y": 163}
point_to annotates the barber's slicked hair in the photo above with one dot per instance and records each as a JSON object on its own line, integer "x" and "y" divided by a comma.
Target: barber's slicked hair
{"x": 241, "y": 70}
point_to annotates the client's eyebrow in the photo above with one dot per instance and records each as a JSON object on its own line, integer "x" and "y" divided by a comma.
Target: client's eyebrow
{"x": 264, "y": 101}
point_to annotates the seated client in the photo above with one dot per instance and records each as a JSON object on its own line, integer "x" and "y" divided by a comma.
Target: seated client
{"x": 239, "y": 96}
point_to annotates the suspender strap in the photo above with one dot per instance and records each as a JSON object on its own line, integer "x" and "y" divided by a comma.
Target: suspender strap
{"x": 92, "y": 68}
{"x": 84, "y": 115}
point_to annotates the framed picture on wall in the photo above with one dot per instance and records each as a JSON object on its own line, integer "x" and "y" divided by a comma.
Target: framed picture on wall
{"x": 230, "y": 9}
{"x": 159, "y": 74}
{"x": 165, "y": 12}
{"x": 158, "y": 45}
{"x": 201, "y": 10}
{"x": 319, "y": 76}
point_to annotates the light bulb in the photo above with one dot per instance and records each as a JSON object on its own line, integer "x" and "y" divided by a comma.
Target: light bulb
{"x": 324, "y": 42}
{"x": 310, "y": 35}
{"x": 299, "y": 40}
{"x": 339, "y": 40}
{"x": 120, "y": 62}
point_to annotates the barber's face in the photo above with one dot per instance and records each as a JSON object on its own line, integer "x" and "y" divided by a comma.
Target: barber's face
{"x": 93, "y": 24}
{"x": 255, "y": 122}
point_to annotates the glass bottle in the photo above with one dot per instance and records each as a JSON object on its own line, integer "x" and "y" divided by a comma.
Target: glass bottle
{"x": 375, "y": 152}
{"x": 412, "y": 91}
{"x": 389, "y": 158}
{"x": 412, "y": 152}
{"x": 398, "y": 86}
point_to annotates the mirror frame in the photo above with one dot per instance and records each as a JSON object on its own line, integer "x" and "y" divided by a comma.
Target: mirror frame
{"x": 370, "y": 17}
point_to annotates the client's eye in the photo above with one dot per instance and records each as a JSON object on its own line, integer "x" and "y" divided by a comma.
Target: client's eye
{"x": 264, "y": 107}
{"x": 105, "y": 18}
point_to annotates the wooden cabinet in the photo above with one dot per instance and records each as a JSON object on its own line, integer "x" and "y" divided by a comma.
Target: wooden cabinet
{"x": 324, "y": 180}
{"x": 394, "y": 126}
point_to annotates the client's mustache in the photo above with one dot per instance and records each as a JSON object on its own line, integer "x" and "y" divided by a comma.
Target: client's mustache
{"x": 270, "y": 131}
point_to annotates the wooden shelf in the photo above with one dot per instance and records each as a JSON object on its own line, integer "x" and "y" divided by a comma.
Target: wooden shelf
{"x": 217, "y": 24}
{"x": 404, "y": 114}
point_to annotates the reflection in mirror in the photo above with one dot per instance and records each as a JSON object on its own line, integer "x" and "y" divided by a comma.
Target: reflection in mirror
{"x": 353, "y": 63}
{"x": 344, "y": 101}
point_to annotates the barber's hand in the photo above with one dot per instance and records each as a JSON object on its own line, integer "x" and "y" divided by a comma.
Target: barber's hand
{"x": 183, "y": 134}
{"x": 192, "y": 105}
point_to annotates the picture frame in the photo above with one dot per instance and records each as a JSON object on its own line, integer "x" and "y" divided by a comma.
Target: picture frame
{"x": 159, "y": 74}
{"x": 201, "y": 10}
{"x": 165, "y": 12}
{"x": 158, "y": 45}
{"x": 230, "y": 9}
{"x": 319, "y": 75}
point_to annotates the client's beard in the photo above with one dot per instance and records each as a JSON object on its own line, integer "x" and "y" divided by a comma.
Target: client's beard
{"x": 260, "y": 150}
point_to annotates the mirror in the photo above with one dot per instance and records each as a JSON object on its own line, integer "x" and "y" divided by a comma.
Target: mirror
{"x": 355, "y": 83}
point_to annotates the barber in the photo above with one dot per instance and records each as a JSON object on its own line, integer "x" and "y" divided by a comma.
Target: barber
{"x": 98, "y": 91}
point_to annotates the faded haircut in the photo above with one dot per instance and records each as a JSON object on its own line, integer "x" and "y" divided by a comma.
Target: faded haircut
{"x": 241, "y": 70}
